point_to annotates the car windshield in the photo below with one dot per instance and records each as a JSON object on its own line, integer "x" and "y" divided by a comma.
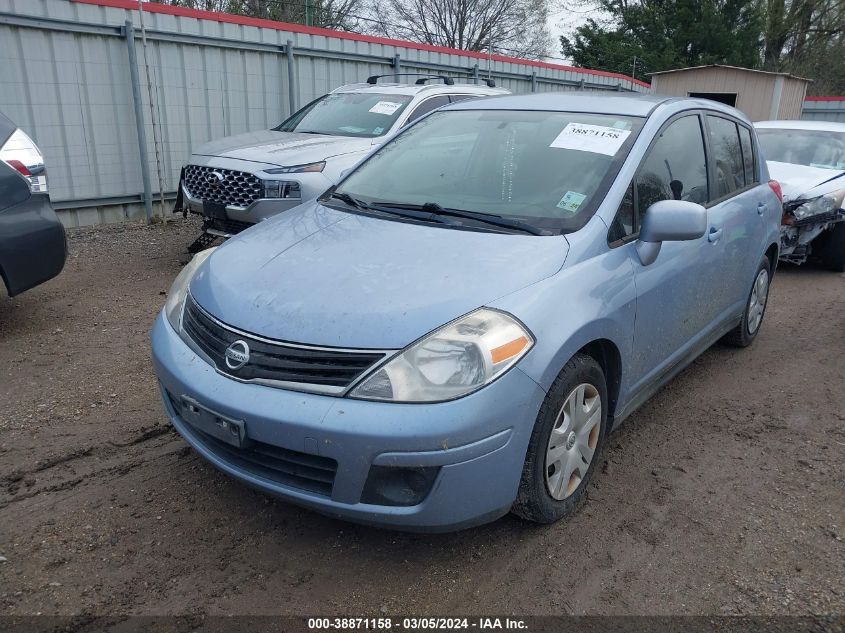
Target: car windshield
{"x": 364, "y": 114}
{"x": 810, "y": 148}
{"x": 546, "y": 169}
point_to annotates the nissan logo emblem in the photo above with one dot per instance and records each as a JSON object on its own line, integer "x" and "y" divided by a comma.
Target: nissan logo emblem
{"x": 237, "y": 355}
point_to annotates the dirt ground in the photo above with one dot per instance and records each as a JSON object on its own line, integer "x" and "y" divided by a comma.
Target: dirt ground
{"x": 725, "y": 494}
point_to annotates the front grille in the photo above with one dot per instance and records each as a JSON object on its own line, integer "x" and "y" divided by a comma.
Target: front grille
{"x": 277, "y": 360}
{"x": 237, "y": 189}
{"x": 281, "y": 465}
{"x": 232, "y": 227}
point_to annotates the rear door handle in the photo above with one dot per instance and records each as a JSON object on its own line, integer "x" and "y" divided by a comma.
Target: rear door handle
{"x": 714, "y": 234}
{"x": 762, "y": 207}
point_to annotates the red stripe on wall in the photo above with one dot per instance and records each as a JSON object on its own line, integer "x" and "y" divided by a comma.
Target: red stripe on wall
{"x": 825, "y": 98}
{"x": 312, "y": 30}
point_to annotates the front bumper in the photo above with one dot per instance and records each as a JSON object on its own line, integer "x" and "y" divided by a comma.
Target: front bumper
{"x": 479, "y": 441}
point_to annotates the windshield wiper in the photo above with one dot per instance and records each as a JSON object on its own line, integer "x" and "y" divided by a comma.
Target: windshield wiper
{"x": 410, "y": 214}
{"x": 485, "y": 218}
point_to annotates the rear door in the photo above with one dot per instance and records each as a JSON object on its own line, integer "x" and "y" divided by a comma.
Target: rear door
{"x": 738, "y": 203}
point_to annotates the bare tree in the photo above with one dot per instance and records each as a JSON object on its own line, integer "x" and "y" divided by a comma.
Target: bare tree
{"x": 511, "y": 27}
{"x": 331, "y": 14}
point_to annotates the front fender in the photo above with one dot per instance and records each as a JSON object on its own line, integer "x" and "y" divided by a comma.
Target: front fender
{"x": 588, "y": 301}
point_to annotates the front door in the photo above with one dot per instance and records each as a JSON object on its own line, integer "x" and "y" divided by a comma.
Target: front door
{"x": 676, "y": 294}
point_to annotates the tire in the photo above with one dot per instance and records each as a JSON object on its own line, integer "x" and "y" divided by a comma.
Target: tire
{"x": 752, "y": 317}
{"x": 582, "y": 384}
{"x": 831, "y": 250}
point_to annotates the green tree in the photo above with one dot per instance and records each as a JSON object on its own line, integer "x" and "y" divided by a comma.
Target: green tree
{"x": 664, "y": 34}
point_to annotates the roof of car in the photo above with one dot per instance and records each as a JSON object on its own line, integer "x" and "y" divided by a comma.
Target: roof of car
{"x": 594, "y": 102}
{"x": 414, "y": 89}
{"x": 819, "y": 126}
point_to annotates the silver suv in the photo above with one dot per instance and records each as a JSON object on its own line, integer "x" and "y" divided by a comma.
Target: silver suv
{"x": 237, "y": 181}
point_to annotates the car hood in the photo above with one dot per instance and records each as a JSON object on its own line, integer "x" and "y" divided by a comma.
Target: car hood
{"x": 321, "y": 276}
{"x": 283, "y": 148}
{"x": 799, "y": 181}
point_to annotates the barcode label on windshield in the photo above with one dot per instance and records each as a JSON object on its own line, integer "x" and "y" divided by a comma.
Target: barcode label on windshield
{"x": 597, "y": 139}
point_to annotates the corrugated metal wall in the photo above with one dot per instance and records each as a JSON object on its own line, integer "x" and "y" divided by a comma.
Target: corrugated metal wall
{"x": 824, "y": 109}
{"x": 65, "y": 73}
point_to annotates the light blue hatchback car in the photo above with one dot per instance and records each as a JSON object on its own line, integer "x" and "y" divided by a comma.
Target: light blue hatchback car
{"x": 451, "y": 332}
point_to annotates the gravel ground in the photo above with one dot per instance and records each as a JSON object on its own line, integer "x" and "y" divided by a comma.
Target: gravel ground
{"x": 725, "y": 494}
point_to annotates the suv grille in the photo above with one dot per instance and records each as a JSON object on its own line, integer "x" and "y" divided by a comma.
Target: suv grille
{"x": 281, "y": 465}
{"x": 277, "y": 361}
{"x": 237, "y": 189}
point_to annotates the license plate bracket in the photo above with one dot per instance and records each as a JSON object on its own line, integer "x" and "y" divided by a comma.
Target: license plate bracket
{"x": 212, "y": 423}
{"x": 214, "y": 210}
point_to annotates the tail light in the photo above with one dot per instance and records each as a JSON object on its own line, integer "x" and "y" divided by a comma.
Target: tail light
{"x": 21, "y": 154}
{"x": 775, "y": 186}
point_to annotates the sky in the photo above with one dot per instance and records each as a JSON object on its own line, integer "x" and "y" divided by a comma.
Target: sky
{"x": 563, "y": 22}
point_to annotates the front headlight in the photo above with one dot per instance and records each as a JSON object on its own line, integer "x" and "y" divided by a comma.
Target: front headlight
{"x": 179, "y": 290}
{"x": 828, "y": 203}
{"x": 452, "y": 361}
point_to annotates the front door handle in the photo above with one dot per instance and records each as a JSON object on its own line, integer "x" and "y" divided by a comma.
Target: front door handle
{"x": 762, "y": 207}
{"x": 714, "y": 234}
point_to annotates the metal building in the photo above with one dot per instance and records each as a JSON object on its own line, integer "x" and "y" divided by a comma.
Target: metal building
{"x": 824, "y": 109}
{"x": 759, "y": 94}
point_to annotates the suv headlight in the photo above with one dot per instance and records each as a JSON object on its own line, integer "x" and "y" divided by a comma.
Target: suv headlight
{"x": 828, "y": 203}
{"x": 453, "y": 361}
{"x": 179, "y": 290}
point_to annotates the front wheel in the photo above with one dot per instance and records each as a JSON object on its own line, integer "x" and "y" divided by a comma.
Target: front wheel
{"x": 565, "y": 444}
{"x": 752, "y": 318}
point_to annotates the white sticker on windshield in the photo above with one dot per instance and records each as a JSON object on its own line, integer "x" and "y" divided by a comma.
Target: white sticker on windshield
{"x": 597, "y": 139}
{"x": 385, "y": 107}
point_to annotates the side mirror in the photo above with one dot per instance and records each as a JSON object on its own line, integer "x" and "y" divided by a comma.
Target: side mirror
{"x": 669, "y": 221}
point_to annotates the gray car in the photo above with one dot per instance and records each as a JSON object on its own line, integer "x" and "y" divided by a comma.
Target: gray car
{"x": 237, "y": 181}
{"x": 32, "y": 239}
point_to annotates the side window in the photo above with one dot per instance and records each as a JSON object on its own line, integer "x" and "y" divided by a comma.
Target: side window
{"x": 727, "y": 156}
{"x": 427, "y": 106}
{"x": 675, "y": 168}
{"x": 456, "y": 98}
{"x": 748, "y": 162}
{"x": 623, "y": 223}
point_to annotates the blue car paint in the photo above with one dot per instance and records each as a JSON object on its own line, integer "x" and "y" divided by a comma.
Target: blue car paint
{"x": 316, "y": 275}
{"x": 327, "y": 277}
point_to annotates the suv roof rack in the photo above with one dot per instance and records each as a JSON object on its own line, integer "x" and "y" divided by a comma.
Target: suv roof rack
{"x": 490, "y": 82}
{"x": 373, "y": 80}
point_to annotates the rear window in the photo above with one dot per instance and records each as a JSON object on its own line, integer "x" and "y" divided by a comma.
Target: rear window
{"x": 550, "y": 169}
{"x": 363, "y": 114}
{"x": 727, "y": 156}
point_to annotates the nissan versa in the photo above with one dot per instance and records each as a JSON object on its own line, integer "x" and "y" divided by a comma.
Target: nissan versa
{"x": 451, "y": 332}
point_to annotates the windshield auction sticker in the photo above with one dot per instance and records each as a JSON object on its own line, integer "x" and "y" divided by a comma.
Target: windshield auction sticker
{"x": 385, "y": 107}
{"x": 597, "y": 139}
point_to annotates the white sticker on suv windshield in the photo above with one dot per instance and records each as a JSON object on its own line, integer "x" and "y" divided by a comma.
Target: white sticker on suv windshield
{"x": 385, "y": 107}
{"x": 597, "y": 139}
{"x": 571, "y": 201}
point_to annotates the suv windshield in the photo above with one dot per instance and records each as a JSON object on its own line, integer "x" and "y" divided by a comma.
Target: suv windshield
{"x": 546, "y": 169}
{"x": 364, "y": 114}
{"x": 803, "y": 147}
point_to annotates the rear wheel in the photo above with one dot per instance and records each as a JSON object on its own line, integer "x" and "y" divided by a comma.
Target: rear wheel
{"x": 752, "y": 318}
{"x": 565, "y": 444}
{"x": 831, "y": 249}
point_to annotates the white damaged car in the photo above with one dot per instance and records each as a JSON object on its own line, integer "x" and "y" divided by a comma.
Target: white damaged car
{"x": 807, "y": 158}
